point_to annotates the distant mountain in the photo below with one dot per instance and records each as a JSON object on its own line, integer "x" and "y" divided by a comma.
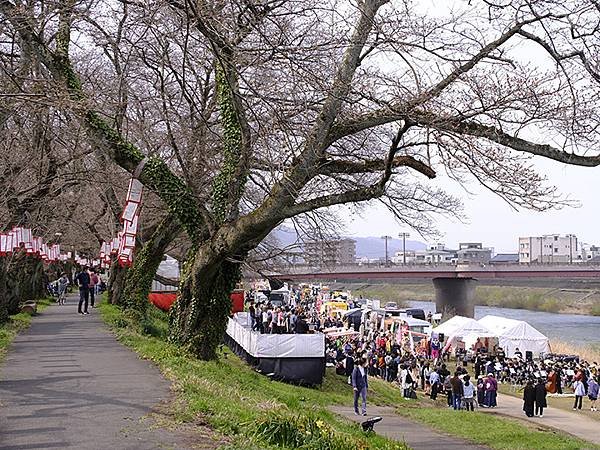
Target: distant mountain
{"x": 366, "y": 247}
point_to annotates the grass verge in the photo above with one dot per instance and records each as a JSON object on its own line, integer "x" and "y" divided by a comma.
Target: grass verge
{"x": 494, "y": 431}
{"x": 241, "y": 404}
{"x": 562, "y": 403}
{"x": 248, "y": 408}
{"x": 15, "y": 324}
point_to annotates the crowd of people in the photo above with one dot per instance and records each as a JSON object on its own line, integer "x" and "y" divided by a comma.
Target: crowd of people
{"x": 473, "y": 381}
{"x": 301, "y": 314}
{"x": 416, "y": 361}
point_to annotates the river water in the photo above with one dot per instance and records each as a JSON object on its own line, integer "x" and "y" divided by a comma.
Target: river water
{"x": 567, "y": 327}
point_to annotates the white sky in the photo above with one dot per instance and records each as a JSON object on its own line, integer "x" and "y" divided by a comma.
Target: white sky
{"x": 488, "y": 218}
{"x": 491, "y": 221}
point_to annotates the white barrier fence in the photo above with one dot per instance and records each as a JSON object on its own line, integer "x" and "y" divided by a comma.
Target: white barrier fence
{"x": 274, "y": 345}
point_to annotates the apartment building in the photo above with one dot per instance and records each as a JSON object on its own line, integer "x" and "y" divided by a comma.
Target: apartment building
{"x": 548, "y": 249}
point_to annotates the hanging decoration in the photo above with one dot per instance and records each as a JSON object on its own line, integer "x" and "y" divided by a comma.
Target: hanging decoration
{"x": 123, "y": 245}
{"x": 22, "y": 239}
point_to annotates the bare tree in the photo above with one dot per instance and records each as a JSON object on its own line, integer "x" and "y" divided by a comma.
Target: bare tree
{"x": 261, "y": 111}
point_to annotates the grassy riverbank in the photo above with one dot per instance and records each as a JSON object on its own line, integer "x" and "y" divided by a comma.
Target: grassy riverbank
{"x": 248, "y": 411}
{"x": 15, "y": 324}
{"x": 573, "y": 301}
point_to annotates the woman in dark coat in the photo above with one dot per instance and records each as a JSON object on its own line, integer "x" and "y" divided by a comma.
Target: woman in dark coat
{"x": 540, "y": 398}
{"x": 528, "y": 399}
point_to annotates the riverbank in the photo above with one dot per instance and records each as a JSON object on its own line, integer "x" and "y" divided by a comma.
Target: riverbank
{"x": 250, "y": 411}
{"x": 590, "y": 352}
{"x": 564, "y": 301}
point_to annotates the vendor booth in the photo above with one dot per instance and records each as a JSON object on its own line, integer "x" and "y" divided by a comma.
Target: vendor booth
{"x": 513, "y": 334}
{"x": 466, "y": 334}
{"x": 296, "y": 358}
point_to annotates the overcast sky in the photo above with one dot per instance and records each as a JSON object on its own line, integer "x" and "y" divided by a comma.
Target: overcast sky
{"x": 491, "y": 221}
{"x": 488, "y": 218}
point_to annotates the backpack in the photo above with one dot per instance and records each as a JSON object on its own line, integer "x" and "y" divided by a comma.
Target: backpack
{"x": 412, "y": 394}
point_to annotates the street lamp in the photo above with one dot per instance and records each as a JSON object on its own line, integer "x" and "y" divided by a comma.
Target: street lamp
{"x": 386, "y": 238}
{"x": 404, "y": 235}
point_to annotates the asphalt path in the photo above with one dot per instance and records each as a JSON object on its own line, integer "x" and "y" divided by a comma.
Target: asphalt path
{"x": 416, "y": 435}
{"x": 573, "y": 423}
{"x": 67, "y": 383}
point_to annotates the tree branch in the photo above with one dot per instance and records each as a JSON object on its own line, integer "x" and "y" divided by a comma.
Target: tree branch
{"x": 494, "y": 134}
{"x": 156, "y": 174}
{"x": 399, "y": 111}
{"x": 558, "y": 57}
{"x": 329, "y": 167}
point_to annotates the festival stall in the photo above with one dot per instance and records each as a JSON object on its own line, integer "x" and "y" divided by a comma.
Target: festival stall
{"x": 516, "y": 333}
{"x": 296, "y": 358}
{"x": 465, "y": 333}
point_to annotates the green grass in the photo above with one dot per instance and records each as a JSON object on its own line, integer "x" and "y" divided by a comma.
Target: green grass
{"x": 493, "y": 431}
{"x": 232, "y": 398}
{"x": 15, "y": 324}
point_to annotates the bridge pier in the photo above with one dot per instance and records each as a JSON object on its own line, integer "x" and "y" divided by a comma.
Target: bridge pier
{"x": 455, "y": 296}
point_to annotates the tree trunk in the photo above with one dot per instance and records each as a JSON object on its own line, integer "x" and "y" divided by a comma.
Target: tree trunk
{"x": 116, "y": 282}
{"x": 22, "y": 278}
{"x": 4, "y": 299}
{"x": 199, "y": 316}
{"x": 139, "y": 278}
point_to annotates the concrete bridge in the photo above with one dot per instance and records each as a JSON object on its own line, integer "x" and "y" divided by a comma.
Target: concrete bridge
{"x": 454, "y": 285}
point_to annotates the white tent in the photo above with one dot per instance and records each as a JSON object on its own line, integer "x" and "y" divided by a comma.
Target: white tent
{"x": 516, "y": 333}
{"x": 460, "y": 324}
{"x": 465, "y": 328}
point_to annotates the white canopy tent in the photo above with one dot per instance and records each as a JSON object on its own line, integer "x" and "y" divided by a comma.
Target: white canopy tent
{"x": 516, "y": 333}
{"x": 459, "y": 323}
{"x": 464, "y": 328}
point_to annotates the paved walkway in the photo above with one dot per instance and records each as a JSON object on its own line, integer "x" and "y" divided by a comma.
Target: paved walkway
{"x": 416, "y": 436}
{"x": 568, "y": 422}
{"x": 68, "y": 384}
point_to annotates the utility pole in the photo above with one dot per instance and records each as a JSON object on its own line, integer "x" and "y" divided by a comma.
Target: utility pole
{"x": 404, "y": 235}
{"x": 570, "y": 249}
{"x": 386, "y": 238}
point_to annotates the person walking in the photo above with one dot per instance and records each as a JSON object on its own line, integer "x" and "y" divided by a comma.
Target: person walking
{"x": 540, "y": 398}
{"x": 406, "y": 381}
{"x": 83, "y": 281}
{"x": 349, "y": 365}
{"x": 579, "y": 390}
{"x": 63, "y": 283}
{"x": 529, "y": 397}
{"x": 360, "y": 384}
{"x": 468, "y": 393}
{"x": 94, "y": 281}
{"x": 456, "y": 386}
{"x": 434, "y": 381}
{"x": 448, "y": 390}
{"x": 481, "y": 391}
{"x": 593, "y": 389}
{"x": 491, "y": 391}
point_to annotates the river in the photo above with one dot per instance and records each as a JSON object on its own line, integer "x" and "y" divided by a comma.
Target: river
{"x": 573, "y": 328}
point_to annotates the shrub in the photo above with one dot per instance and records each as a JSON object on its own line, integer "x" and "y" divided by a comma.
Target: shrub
{"x": 307, "y": 433}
